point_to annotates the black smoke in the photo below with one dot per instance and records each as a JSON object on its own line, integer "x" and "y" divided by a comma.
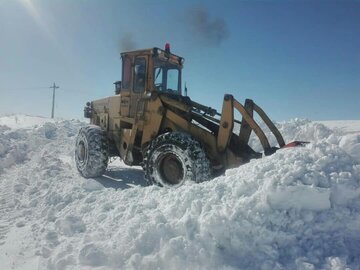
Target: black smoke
{"x": 211, "y": 31}
{"x": 127, "y": 42}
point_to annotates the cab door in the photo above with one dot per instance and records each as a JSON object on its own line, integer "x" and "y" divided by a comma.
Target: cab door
{"x": 140, "y": 78}
{"x": 126, "y": 86}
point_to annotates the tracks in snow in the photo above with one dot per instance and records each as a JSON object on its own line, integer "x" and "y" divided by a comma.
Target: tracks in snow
{"x": 6, "y": 207}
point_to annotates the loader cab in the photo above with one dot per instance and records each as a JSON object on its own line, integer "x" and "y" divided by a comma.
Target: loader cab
{"x": 146, "y": 71}
{"x": 151, "y": 70}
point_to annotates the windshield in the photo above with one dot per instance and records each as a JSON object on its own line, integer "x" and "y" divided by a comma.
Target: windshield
{"x": 167, "y": 77}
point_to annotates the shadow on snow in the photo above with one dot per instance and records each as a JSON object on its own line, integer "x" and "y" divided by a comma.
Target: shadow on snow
{"x": 122, "y": 178}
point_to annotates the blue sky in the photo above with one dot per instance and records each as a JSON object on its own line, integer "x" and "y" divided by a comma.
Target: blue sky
{"x": 294, "y": 58}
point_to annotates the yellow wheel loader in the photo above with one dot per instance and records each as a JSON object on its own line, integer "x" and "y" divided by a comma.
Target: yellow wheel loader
{"x": 149, "y": 122}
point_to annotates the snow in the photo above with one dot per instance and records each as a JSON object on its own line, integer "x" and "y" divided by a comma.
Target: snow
{"x": 296, "y": 209}
{"x": 347, "y": 126}
{"x": 23, "y": 121}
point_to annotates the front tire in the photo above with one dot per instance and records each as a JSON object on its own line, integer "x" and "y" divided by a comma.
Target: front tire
{"x": 92, "y": 151}
{"x": 174, "y": 158}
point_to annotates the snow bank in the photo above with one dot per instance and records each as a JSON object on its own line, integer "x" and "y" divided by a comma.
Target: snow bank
{"x": 18, "y": 142}
{"x": 347, "y": 137}
{"x": 343, "y": 126}
{"x": 24, "y": 121}
{"x": 296, "y": 209}
{"x": 351, "y": 144}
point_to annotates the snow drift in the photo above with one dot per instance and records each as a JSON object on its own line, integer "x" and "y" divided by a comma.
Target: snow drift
{"x": 296, "y": 209}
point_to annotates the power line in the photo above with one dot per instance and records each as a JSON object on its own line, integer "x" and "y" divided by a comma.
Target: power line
{"x": 54, "y": 87}
{"x": 73, "y": 90}
{"x": 23, "y": 88}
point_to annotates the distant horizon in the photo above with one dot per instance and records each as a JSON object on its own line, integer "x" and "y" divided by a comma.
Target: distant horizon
{"x": 2, "y": 115}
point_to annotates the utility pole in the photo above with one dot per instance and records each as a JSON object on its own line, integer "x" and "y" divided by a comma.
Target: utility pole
{"x": 54, "y": 86}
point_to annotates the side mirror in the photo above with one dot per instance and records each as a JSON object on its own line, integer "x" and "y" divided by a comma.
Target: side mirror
{"x": 117, "y": 87}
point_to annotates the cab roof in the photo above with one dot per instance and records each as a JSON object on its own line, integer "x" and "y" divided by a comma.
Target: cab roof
{"x": 155, "y": 51}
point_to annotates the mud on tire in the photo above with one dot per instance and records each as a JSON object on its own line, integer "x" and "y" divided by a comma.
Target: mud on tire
{"x": 173, "y": 158}
{"x": 91, "y": 151}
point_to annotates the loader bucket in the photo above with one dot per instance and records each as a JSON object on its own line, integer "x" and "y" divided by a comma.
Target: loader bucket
{"x": 295, "y": 144}
{"x": 248, "y": 125}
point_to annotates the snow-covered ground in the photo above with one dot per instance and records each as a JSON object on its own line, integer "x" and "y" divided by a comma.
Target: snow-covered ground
{"x": 23, "y": 121}
{"x": 296, "y": 209}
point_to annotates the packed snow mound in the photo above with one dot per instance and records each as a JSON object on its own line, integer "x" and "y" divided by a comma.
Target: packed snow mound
{"x": 347, "y": 137}
{"x": 296, "y": 209}
{"x": 343, "y": 126}
{"x": 19, "y": 142}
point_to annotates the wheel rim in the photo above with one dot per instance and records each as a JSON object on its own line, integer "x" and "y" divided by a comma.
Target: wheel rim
{"x": 81, "y": 152}
{"x": 171, "y": 169}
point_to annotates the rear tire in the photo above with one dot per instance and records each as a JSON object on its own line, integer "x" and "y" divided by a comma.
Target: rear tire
{"x": 174, "y": 158}
{"x": 92, "y": 151}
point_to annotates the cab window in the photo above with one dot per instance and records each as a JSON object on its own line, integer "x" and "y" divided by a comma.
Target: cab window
{"x": 139, "y": 74}
{"x": 172, "y": 79}
{"x": 158, "y": 78}
{"x": 126, "y": 73}
{"x": 166, "y": 77}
